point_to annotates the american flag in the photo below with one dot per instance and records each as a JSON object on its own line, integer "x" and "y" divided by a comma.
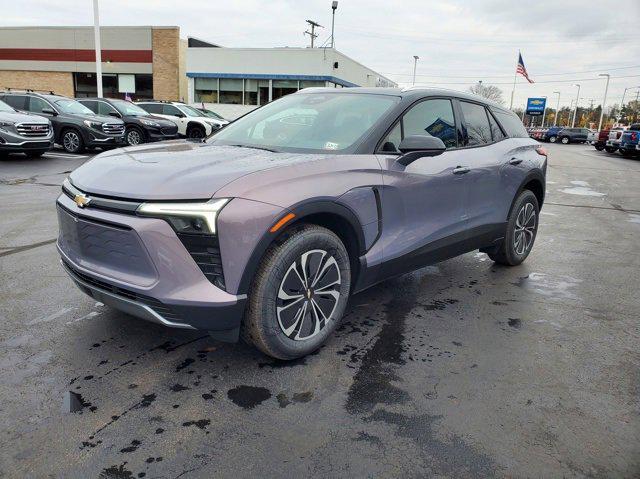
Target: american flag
{"x": 521, "y": 69}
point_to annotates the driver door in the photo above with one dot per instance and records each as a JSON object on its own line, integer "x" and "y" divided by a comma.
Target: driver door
{"x": 424, "y": 217}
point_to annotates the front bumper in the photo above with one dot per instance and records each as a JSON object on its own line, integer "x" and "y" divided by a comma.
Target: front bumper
{"x": 139, "y": 266}
{"x": 93, "y": 137}
{"x": 13, "y": 142}
{"x": 156, "y": 134}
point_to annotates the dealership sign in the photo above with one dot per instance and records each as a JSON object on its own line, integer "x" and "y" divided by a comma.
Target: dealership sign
{"x": 535, "y": 106}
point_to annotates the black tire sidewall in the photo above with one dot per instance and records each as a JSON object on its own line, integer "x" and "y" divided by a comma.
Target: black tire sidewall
{"x": 196, "y": 128}
{"x": 265, "y": 291}
{"x": 512, "y": 257}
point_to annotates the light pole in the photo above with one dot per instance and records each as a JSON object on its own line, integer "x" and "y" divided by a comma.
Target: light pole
{"x": 575, "y": 111}
{"x": 415, "y": 64}
{"x": 557, "y": 108}
{"x": 544, "y": 111}
{"x": 334, "y": 7}
{"x": 604, "y": 100}
{"x": 96, "y": 34}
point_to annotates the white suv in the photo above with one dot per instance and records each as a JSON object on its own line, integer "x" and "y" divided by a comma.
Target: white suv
{"x": 191, "y": 122}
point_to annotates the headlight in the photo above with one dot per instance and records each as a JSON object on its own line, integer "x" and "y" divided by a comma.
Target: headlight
{"x": 93, "y": 124}
{"x": 4, "y": 124}
{"x": 150, "y": 123}
{"x": 199, "y": 218}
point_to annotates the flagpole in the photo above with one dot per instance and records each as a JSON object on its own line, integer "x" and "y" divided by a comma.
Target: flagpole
{"x": 515, "y": 77}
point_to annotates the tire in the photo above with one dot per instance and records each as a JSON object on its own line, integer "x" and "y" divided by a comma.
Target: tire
{"x": 628, "y": 154}
{"x": 196, "y": 132}
{"x": 565, "y": 140}
{"x": 72, "y": 141}
{"x": 134, "y": 136}
{"x": 513, "y": 252}
{"x": 610, "y": 149}
{"x": 599, "y": 147}
{"x": 553, "y": 139}
{"x": 35, "y": 154}
{"x": 278, "y": 320}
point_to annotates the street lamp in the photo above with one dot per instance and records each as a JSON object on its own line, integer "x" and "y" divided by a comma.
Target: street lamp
{"x": 415, "y": 64}
{"x": 334, "y": 7}
{"x": 575, "y": 111}
{"x": 604, "y": 100}
{"x": 557, "y": 108}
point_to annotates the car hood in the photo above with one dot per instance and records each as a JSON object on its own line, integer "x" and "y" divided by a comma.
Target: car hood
{"x": 22, "y": 117}
{"x": 175, "y": 170}
{"x": 100, "y": 118}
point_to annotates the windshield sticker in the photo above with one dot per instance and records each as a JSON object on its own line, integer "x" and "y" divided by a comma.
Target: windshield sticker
{"x": 329, "y": 145}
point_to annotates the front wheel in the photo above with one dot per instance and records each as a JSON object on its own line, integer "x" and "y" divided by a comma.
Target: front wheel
{"x": 522, "y": 227}
{"x": 72, "y": 141}
{"x": 134, "y": 136}
{"x": 196, "y": 132}
{"x": 599, "y": 147}
{"x": 553, "y": 139}
{"x": 564, "y": 140}
{"x": 299, "y": 293}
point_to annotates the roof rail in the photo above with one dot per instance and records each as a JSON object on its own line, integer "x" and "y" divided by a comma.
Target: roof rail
{"x": 28, "y": 90}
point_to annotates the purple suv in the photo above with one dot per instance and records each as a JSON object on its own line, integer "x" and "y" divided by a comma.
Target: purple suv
{"x": 265, "y": 229}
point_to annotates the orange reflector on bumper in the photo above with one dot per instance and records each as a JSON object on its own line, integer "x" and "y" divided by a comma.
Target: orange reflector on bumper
{"x": 284, "y": 220}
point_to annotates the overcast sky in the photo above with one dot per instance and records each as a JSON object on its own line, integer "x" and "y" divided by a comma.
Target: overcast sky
{"x": 458, "y": 42}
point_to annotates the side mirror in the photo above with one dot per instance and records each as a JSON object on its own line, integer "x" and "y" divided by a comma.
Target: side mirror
{"x": 418, "y": 146}
{"x": 180, "y": 115}
{"x": 115, "y": 114}
{"x": 49, "y": 111}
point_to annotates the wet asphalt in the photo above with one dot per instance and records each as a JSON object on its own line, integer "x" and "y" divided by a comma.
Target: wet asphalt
{"x": 462, "y": 369}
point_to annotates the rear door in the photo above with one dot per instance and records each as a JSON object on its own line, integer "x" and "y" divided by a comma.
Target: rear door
{"x": 172, "y": 113}
{"x": 423, "y": 203}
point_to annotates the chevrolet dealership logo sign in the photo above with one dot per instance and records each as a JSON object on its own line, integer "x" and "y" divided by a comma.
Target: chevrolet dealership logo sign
{"x": 535, "y": 106}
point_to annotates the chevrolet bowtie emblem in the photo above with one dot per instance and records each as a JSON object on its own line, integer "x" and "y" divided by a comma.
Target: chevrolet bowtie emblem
{"x": 81, "y": 200}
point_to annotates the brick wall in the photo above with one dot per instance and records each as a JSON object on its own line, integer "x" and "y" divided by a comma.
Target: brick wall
{"x": 166, "y": 63}
{"x": 58, "y": 82}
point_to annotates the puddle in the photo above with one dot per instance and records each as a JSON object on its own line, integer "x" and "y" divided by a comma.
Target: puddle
{"x": 550, "y": 286}
{"x": 581, "y": 188}
{"x": 248, "y": 397}
{"x": 634, "y": 218}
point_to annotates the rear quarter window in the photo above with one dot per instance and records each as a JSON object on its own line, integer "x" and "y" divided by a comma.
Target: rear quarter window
{"x": 511, "y": 124}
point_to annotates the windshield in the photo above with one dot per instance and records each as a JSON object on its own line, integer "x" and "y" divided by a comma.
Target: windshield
{"x": 73, "y": 107}
{"x": 312, "y": 121}
{"x": 5, "y": 107}
{"x": 187, "y": 110}
{"x": 126, "y": 108}
{"x": 211, "y": 114}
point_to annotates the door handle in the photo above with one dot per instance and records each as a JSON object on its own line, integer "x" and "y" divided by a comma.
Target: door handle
{"x": 461, "y": 170}
{"x": 515, "y": 161}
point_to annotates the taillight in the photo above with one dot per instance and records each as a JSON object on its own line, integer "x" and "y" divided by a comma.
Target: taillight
{"x": 541, "y": 151}
{"x": 634, "y": 136}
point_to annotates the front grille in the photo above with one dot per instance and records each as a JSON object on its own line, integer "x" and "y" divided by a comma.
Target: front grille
{"x": 162, "y": 309}
{"x": 205, "y": 251}
{"x": 113, "y": 128}
{"x": 33, "y": 130}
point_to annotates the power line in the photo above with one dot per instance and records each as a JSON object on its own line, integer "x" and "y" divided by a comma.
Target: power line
{"x": 509, "y": 83}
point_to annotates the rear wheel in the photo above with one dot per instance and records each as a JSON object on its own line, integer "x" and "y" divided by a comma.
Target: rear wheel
{"x": 72, "y": 141}
{"x": 565, "y": 140}
{"x": 522, "y": 227}
{"x": 599, "y": 147}
{"x": 299, "y": 293}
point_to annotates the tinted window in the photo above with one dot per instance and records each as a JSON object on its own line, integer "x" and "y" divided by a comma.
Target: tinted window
{"x": 36, "y": 105}
{"x": 476, "y": 124}
{"x": 392, "y": 141}
{"x": 511, "y": 124}
{"x": 104, "y": 108}
{"x": 496, "y": 132}
{"x": 4, "y": 107}
{"x": 433, "y": 118}
{"x": 152, "y": 107}
{"x": 91, "y": 105}
{"x": 171, "y": 110}
{"x": 19, "y": 102}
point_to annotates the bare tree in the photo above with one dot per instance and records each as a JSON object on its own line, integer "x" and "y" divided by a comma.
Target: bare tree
{"x": 490, "y": 92}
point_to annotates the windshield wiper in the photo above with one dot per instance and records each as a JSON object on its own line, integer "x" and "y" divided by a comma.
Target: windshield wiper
{"x": 256, "y": 148}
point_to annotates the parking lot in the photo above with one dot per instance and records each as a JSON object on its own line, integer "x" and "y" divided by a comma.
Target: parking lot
{"x": 462, "y": 369}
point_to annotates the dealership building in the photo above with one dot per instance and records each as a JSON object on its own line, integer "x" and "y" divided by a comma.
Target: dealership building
{"x": 143, "y": 62}
{"x": 154, "y": 62}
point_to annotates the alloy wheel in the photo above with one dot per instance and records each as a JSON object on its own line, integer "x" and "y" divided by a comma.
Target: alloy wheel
{"x": 133, "y": 137}
{"x": 71, "y": 141}
{"x": 308, "y": 295}
{"x": 525, "y": 229}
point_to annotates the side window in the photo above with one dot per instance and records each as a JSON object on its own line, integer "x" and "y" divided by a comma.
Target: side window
{"x": 496, "y": 132}
{"x": 476, "y": 124}
{"x": 91, "y": 105}
{"x": 434, "y": 118}
{"x": 171, "y": 110}
{"x": 105, "y": 108}
{"x": 36, "y": 105}
{"x": 392, "y": 141}
{"x": 19, "y": 102}
{"x": 151, "y": 107}
{"x": 511, "y": 124}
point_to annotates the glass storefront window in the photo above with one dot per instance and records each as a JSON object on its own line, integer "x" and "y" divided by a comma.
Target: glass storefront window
{"x": 263, "y": 92}
{"x": 284, "y": 87}
{"x": 206, "y": 90}
{"x": 311, "y": 84}
{"x": 86, "y": 86}
{"x": 231, "y": 91}
{"x": 250, "y": 92}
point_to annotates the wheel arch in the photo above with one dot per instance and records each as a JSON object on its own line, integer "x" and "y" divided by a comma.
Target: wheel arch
{"x": 534, "y": 182}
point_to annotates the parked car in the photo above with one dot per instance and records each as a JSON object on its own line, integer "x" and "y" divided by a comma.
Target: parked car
{"x": 264, "y": 233}
{"x": 600, "y": 142}
{"x": 24, "y": 132}
{"x": 191, "y": 122}
{"x": 629, "y": 141}
{"x": 214, "y": 115}
{"x": 551, "y": 135}
{"x": 75, "y": 126}
{"x": 140, "y": 125}
{"x": 592, "y": 136}
{"x": 613, "y": 143}
{"x": 573, "y": 135}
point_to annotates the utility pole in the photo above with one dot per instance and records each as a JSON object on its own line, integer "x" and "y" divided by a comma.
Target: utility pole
{"x": 96, "y": 34}
{"x": 557, "y": 108}
{"x": 604, "y": 100}
{"x": 575, "y": 111}
{"x": 544, "y": 111}
{"x": 334, "y": 6}
{"x": 415, "y": 64}
{"x": 311, "y": 33}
